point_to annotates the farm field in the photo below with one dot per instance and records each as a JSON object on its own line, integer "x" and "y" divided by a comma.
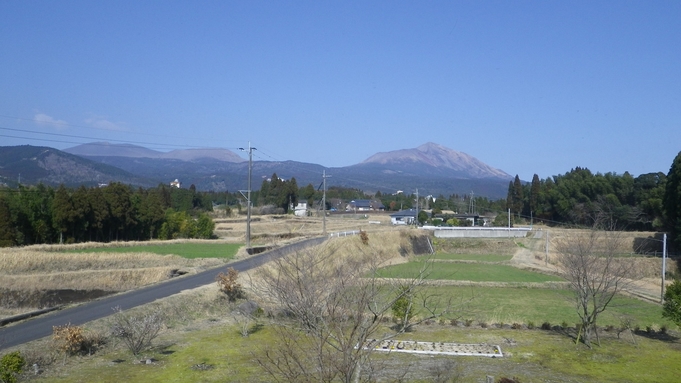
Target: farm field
{"x": 508, "y": 305}
{"x": 189, "y": 250}
{"x": 472, "y": 257}
{"x": 476, "y": 272}
{"x": 202, "y": 341}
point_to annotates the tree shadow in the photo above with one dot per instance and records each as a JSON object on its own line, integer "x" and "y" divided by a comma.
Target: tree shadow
{"x": 657, "y": 335}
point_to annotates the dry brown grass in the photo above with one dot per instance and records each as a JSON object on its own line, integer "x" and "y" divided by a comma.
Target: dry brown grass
{"x": 26, "y": 271}
{"x": 269, "y": 229}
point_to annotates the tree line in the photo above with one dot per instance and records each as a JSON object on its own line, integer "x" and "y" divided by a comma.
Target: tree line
{"x": 580, "y": 197}
{"x": 42, "y": 214}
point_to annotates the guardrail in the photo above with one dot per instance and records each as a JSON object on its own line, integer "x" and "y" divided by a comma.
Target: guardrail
{"x": 344, "y": 233}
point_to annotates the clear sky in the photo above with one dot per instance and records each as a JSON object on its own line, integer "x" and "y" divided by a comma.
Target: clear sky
{"x": 525, "y": 86}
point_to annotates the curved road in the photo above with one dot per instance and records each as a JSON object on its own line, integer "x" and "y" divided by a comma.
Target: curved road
{"x": 40, "y": 327}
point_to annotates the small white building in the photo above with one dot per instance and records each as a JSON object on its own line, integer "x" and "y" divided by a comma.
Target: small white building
{"x": 403, "y": 217}
{"x": 176, "y": 184}
{"x": 301, "y": 209}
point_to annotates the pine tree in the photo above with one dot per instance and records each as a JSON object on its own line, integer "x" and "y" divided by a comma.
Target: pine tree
{"x": 517, "y": 195}
{"x": 672, "y": 201}
{"x": 535, "y": 189}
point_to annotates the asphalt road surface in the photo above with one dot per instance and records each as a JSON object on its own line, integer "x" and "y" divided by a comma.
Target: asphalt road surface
{"x": 40, "y": 327}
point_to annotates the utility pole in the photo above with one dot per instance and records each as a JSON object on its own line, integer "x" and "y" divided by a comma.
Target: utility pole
{"x": 664, "y": 266}
{"x": 416, "y": 221}
{"x": 546, "y": 258}
{"x": 248, "y": 195}
{"x": 324, "y": 177}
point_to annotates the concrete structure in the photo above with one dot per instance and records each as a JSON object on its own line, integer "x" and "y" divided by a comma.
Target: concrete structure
{"x": 478, "y": 232}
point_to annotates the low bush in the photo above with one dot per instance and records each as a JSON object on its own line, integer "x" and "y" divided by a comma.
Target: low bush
{"x": 11, "y": 365}
{"x": 68, "y": 339}
{"x": 546, "y": 326}
{"x": 229, "y": 284}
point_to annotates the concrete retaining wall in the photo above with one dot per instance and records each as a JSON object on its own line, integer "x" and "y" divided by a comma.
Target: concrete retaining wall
{"x": 477, "y": 232}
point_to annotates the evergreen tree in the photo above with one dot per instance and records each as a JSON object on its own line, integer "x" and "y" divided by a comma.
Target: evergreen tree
{"x": 535, "y": 189}
{"x": 672, "y": 201}
{"x": 517, "y": 195}
{"x": 6, "y": 230}
{"x": 510, "y": 202}
{"x": 62, "y": 211}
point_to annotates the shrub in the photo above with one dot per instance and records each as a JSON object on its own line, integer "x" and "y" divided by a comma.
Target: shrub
{"x": 564, "y": 325}
{"x": 546, "y": 326}
{"x": 10, "y": 366}
{"x": 229, "y": 284}
{"x": 530, "y": 325}
{"x": 468, "y": 322}
{"x": 68, "y": 339}
{"x": 663, "y": 330}
{"x": 483, "y": 324}
{"x": 516, "y": 326}
{"x": 137, "y": 331}
{"x": 364, "y": 237}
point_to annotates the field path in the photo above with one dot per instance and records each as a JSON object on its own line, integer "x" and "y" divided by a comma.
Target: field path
{"x": 40, "y": 327}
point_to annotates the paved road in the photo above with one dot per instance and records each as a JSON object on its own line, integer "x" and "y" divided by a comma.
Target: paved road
{"x": 40, "y": 327}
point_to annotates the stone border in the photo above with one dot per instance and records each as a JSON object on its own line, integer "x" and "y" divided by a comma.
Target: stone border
{"x": 437, "y": 348}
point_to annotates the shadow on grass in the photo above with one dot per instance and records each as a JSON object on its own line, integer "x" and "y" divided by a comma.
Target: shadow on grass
{"x": 657, "y": 335}
{"x": 255, "y": 328}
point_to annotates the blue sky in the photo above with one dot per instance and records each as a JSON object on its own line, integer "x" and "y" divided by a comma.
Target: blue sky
{"x": 527, "y": 87}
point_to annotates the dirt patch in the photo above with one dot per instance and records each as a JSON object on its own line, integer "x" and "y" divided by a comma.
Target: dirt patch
{"x": 47, "y": 298}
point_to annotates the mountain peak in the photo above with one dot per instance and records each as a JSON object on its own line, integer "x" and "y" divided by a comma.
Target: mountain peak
{"x": 434, "y": 158}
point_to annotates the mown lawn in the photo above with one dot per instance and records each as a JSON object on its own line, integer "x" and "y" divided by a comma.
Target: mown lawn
{"x": 472, "y": 257}
{"x": 465, "y": 272}
{"x": 186, "y": 250}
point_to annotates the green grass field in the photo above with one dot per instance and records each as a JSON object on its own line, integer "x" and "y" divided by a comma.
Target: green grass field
{"x": 465, "y": 272}
{"x": 536, "y": 355}
{"x": 186, "y": 250}
{"x": 523, "y": 305}
{"x": 471, "y": 257}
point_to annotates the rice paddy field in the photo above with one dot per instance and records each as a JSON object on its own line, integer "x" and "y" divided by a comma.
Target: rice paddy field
{"x": 190, "y": 250}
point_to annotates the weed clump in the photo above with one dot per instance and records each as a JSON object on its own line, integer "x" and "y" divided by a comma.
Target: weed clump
{"x": 229, "y": 284}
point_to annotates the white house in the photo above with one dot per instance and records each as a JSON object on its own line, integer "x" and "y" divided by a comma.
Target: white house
{"x": 301, "y": 209}
{"x": 403, "y": 217}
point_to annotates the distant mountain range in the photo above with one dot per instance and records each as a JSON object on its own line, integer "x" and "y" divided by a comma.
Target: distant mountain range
{"x": 432, "y": 168}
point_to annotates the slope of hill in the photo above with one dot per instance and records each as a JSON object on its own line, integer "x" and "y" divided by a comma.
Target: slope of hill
{"x": 50, "y": 166}
{"x": 105, "y": 149}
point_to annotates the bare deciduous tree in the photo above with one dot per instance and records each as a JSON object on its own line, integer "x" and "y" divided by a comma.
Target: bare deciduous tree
{"x": 137, "y": 331}
{"x": 336, "y": 311}
{"x": 593, "y": 264}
